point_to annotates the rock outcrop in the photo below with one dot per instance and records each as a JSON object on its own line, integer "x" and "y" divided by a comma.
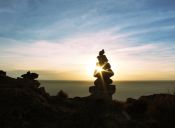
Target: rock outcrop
{"x": 26, "y": 104}
{"x": 2, "y": 74}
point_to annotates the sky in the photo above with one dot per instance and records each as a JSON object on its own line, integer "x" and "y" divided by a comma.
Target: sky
{"x": 60, "y": 39}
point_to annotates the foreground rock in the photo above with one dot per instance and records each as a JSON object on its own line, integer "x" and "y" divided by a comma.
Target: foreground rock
{"x": 24, "y": 104}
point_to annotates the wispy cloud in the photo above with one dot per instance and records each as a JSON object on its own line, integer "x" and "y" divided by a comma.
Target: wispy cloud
{"x": 76, "y": 53}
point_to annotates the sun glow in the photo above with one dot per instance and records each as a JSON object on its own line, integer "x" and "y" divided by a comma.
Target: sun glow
{"x": 90, "y": 67}
{"x": 99, "y": 69}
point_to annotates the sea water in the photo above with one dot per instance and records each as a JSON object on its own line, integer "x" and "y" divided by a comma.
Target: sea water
{"x": 124, "y": 89}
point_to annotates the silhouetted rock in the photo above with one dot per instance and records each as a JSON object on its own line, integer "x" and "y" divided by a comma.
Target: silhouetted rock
{"x": 102, "y": 88}
{"x": 23, "y": 104}
{"x": 157, "y": 109}
{"x": 61, "y": 94}
{"x": 2, "y": 74}
{"x": 30, "y": 76}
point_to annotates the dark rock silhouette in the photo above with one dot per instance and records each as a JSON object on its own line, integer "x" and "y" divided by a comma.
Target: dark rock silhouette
{"x": 62, "y": 95}
{"x": 29, "y": 76}
{"x": 2, "y": 74}
{"x": 102, "y": 88}
{"x": 24, "y": 104}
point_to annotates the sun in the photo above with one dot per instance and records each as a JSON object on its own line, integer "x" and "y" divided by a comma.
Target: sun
{"x": 99, "y": 68}
{"x": 91, "y": 67}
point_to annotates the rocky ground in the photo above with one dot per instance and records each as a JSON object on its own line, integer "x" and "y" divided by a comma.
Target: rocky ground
{"x": 24, "y": 104}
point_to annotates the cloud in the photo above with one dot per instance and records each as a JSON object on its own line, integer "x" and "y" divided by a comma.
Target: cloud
{"x": 53, "y": 20}
{"x": 76, "y": 53}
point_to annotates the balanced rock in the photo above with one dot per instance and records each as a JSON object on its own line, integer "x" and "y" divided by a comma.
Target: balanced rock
{"x": 103, "y": 88}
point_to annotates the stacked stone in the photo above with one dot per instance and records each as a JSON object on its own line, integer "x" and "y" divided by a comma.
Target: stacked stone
{"x": 103, "y": 76}
{"x": 29, "y": 76}
{"x": 103, "y": 88}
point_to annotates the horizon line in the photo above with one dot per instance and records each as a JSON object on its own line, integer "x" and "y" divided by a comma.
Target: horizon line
{"x": 113, "y": 81}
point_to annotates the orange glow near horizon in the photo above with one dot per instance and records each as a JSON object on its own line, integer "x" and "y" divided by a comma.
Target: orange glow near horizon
{"x": 54, "y": 61}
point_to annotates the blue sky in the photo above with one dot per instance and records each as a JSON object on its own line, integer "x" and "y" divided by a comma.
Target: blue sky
{"x": 58, "y": 37}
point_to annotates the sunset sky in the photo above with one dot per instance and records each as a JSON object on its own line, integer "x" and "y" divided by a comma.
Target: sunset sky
{"x": 60, "y": 39}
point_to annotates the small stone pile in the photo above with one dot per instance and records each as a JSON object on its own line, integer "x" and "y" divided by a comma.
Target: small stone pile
{"x": 29, "y": 76}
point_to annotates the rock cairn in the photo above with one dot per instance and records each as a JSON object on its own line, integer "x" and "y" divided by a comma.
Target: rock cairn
{"x": 29, "y": 76}
{"x": 103, "y": 88}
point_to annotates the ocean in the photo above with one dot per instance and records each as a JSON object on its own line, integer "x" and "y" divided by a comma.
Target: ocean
{"x": 124, "y": 89}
